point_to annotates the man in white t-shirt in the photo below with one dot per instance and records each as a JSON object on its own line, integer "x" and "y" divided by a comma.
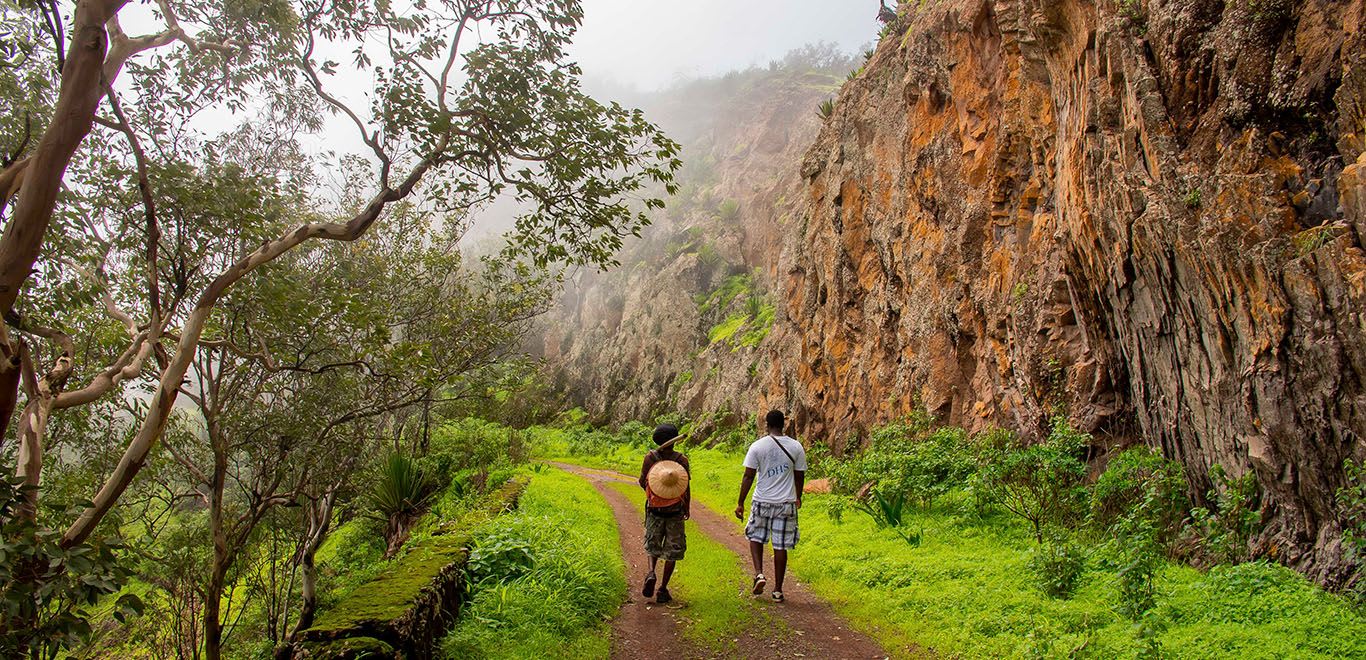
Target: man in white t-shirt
{"x": 776, "y": 466}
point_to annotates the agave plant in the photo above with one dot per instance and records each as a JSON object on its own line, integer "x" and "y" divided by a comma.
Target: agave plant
{"x": 888, "y": 511}
{"x": 826, "y": 108}
{"x": 402, "y": 493}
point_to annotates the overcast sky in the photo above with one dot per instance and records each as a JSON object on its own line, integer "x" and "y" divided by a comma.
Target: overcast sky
{"x": 649, "y": 43}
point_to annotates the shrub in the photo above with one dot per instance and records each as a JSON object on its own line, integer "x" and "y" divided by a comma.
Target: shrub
{"x": 1136, "y": 556}
{"x": 1137, "y": 504}
{"x": 1058, "y": 566}
{"x": 825, "y": 109}
{"x": 1351, "y": 500}
{"x": 400, "y": 495}
{"x": 635, "y": 433}
{"x": 1225, "y": 534}
{"x": 470, "y": 444}
{"x": 1139, "y": 480}
{"x": 1041, "y": 483}
{"x": 728, "y": 210}
{"x": 908, "y": 457}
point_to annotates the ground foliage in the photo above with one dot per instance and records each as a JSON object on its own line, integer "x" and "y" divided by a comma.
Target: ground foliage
{"x": 1101, "y": 583}
{"x": 542, "y": 581}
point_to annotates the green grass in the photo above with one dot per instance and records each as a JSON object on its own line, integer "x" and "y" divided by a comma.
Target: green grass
{"x": 733, "y": 287}
{"x": 967, "y": 591}
{"x": 561, "y": 607}
{"x": 711, "y": 583}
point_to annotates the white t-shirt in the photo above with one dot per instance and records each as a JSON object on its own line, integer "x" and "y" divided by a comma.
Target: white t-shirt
{"x": 773, "y": 482}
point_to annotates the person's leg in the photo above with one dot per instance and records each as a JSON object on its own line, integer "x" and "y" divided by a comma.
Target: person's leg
{"x": 756, "y": 554}
{"x": 668, "y": 573}
{"x": 784, "y": 538}
{"x": 654, "y": 547}
{"x": 779, "y": 569}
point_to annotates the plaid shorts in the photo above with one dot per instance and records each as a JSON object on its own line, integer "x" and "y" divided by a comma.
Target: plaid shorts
{"x": 773, "y": 522}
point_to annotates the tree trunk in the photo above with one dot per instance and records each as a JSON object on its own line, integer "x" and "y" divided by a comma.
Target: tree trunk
{"x": 222, "y": 553}
{"x": 32, "y": 426}
{"x": 213, "y": 624}
{"x": 319, "y": 521}
{"x": 81, "y": 91}
{"x": 9, "y": 388}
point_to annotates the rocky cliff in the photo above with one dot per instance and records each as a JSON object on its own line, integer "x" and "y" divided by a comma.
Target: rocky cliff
{"x": 681, "y": 323}
{"x": 1147, "y": 214}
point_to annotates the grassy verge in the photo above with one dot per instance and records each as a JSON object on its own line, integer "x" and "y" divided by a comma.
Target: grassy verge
{"x": 550, "y": 577}
{"x": 711, "y": 583}
{"x": 967, "y": 590}
{"x": 396, "y": 588}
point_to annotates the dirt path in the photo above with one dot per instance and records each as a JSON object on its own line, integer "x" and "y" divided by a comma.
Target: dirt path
{"x": 639, "y": 621}
{"x": 814, "y": 630}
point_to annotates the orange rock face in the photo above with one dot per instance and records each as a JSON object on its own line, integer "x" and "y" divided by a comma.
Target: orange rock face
{"x": 1147, "y": 215}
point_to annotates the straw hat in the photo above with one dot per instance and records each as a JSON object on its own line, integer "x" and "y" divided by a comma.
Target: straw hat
{"x": 668, "y": 480}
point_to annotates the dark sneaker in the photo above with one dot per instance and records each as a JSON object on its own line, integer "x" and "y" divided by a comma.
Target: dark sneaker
{"x": 663, "y": 596}
{"x": 649, "y": 589}
{"x": 777, "y": 596}
{"x": 759, "y": 583}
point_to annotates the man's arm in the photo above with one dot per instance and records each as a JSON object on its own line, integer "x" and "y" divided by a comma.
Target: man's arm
{"x": 799, "y": 480}
{"x": 746, "y": 483}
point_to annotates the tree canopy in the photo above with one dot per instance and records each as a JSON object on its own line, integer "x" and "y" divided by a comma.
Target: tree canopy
{"x": 163, "y": 194}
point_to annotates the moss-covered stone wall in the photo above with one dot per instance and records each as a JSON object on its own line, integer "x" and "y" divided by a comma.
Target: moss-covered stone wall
{"x": 404, "y": 611}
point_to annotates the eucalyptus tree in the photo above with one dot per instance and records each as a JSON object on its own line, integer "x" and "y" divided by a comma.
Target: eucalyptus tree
{"x": 472, "y": 99}
{"x": 289, "y": 385}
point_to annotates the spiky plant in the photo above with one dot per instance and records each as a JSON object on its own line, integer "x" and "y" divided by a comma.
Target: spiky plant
{"x": 826, "y": 108}
{"x": 401, "y": 494}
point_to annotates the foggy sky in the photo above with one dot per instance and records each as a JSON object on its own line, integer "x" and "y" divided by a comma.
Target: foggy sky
{"x": 650, "y": 43}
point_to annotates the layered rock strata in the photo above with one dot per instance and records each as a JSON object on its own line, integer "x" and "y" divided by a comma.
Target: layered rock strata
{"x": 1148, "y": 215}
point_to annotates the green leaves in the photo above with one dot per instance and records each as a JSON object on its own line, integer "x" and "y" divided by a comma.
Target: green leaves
{"x": 401, "y": 489}
{"x": 1041, "y": 483}
{"x": 46, "y": 591}
{"x": 1058, "y": 566}
{"x": 1225, "y": 532}
{"x": 1140, "y": 483}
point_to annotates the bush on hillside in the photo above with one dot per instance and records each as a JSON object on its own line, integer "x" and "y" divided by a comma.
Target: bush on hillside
{"x": 1139, "y": 481}
{"x": 1041, "y": 483}
{"x": 1224, "y": 533}
{"x": 469, "y": 444}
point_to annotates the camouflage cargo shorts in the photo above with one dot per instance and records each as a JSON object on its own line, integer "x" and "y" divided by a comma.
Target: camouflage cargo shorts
{"x": 664, "y": 536}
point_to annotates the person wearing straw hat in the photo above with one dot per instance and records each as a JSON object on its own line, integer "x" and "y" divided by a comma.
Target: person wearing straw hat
{"x": 668, "y": 502}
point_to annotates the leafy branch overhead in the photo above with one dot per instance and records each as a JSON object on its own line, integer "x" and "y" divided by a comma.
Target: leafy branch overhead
{"x": 150, "y": 255}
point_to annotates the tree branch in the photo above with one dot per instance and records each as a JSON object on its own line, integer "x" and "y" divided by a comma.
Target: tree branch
{"x": 159, "y": 408}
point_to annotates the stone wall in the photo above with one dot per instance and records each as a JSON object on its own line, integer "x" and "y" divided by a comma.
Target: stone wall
{"x": 404, "y": 612}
